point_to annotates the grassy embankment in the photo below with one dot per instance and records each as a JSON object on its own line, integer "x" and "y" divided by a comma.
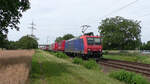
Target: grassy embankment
{"x": 129, "y": 77}
{"x": 129, "y": 57}
{"x": 49, "y": 69}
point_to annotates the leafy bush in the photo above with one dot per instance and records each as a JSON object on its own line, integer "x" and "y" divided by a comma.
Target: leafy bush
{"x": 51, "y": 53}
{"x": 105, "y": 52}
{"x": 61, "y": 55}
{"x": 77, "y": 61}
{"x": 128, "y": 77}
{"x": 91, "y": 64}
{"x": 28, "y": 42}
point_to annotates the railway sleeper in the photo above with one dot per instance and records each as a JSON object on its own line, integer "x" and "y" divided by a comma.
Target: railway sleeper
{"x": 147, "y": 73}
{"x": 131, "y": 65}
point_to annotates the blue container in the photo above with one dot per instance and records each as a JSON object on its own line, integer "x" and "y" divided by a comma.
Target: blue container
{"x": 74, "y": 46}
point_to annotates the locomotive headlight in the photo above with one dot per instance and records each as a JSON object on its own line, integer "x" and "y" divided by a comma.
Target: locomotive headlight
{"x": 89, "y": 49}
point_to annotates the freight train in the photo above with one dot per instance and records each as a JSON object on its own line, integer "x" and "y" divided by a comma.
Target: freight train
{"x": 85, "y": 46}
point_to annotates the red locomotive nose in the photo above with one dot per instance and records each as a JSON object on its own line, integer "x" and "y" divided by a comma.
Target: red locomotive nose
{"x": 94, "y": 48}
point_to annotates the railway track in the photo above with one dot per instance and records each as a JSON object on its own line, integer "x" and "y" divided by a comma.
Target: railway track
{"x": 130, "y": 66}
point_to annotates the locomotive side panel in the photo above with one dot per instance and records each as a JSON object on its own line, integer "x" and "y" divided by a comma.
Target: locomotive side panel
{"x": 74, "y": 46}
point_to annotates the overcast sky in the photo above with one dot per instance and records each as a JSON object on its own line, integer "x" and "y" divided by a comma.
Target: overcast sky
{"x": 55, "y": 18}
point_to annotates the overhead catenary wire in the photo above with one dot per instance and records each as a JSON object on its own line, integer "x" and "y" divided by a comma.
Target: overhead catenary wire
{"x": 119, "y": 9}
{"x": 148, "y": 14}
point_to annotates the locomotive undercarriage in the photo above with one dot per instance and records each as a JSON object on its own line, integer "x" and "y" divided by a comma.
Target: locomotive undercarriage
{"x": 93, "y": 55}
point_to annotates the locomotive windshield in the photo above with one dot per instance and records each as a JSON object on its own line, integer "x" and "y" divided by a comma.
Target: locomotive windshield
{"x": 93, "y": 41}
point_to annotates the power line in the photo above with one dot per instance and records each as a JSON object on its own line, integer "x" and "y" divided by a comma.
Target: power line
{"x": 47, "y": 39}
{"x": 145, "y": 15}
{"x": 142, "y": 16}
{"x": 121, "y": 8}
{"x": 32, "y": 28}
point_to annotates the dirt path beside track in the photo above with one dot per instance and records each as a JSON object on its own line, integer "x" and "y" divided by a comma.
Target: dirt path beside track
{"x": 15, "y": 66}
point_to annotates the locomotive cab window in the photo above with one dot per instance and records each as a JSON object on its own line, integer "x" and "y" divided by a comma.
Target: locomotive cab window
{"x": 93, "y": 41}
{"x": 97, "y": 41}
{"x": 90, "y": 41}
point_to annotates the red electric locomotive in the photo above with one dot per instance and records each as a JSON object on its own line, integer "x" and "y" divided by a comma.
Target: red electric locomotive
{"x": 87, "y": 46}
{"x": 92, "y": 46}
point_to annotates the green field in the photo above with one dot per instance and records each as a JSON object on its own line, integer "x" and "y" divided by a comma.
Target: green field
{"x": 129, "y": 57}
{"x": 48, "y": 69}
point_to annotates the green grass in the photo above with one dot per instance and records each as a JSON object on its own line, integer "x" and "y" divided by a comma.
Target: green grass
{"x": 129, "y": 77}
{"x": 49, "y": 69}
{"x": 77, "y": 60}
{"x": 59, "y": 54}
{"x": 91, "y": 64}
{"x": 129, "y": 57}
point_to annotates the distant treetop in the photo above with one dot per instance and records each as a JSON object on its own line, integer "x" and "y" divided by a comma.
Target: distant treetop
{"x": 65, "y": 37}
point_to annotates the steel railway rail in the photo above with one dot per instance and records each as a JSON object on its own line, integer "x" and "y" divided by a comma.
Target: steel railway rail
{"x": 131, "y": 66}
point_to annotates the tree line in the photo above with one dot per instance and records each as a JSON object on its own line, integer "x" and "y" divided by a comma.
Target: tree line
{"x": 25, "y": 42}
{"x": 145, "y": 46}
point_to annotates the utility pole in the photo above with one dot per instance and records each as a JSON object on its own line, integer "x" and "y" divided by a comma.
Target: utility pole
{"x": 32, "y": 28}
{"x": 47, "y": 39}
{"x": 84, "y": 28}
